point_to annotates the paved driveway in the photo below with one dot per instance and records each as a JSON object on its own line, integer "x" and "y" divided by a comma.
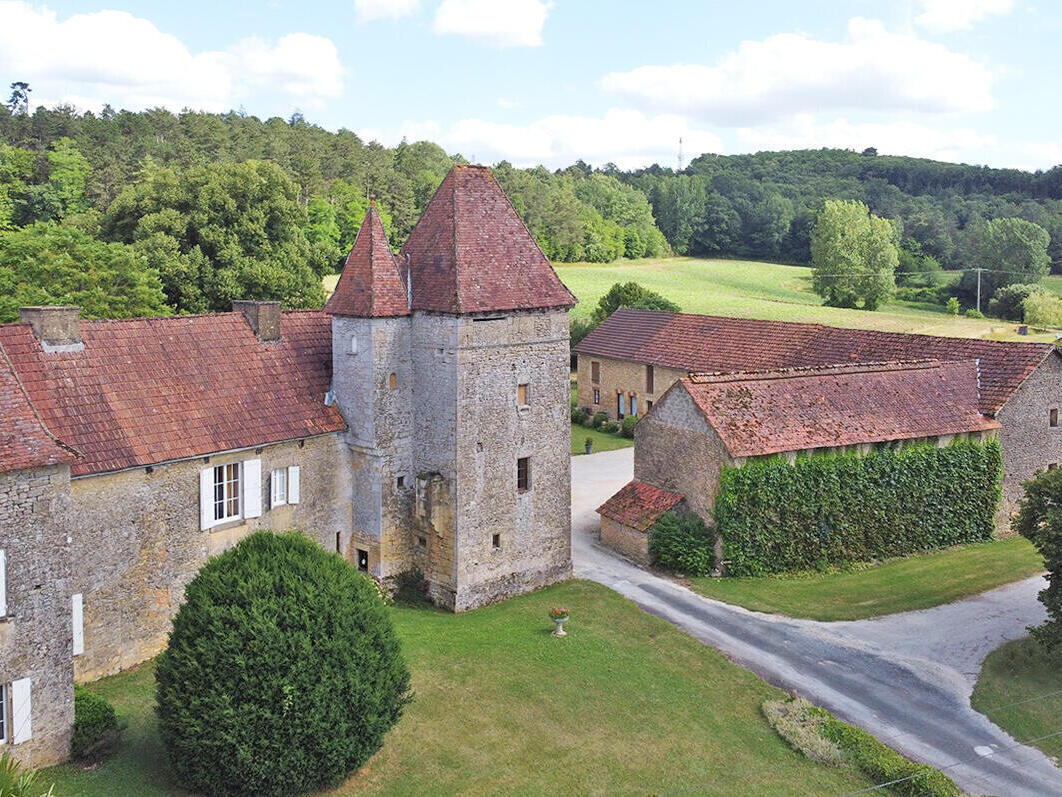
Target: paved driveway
{"x": 906, "y": 678}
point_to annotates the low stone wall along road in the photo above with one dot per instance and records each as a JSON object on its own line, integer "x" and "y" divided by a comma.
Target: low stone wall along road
{"x": 906, "y": 678}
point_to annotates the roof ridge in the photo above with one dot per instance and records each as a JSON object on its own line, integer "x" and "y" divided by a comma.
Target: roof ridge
{"x": 715, "y": 377}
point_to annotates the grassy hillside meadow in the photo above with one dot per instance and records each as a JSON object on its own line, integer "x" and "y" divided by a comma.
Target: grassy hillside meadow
{"x": 749, "y": 289}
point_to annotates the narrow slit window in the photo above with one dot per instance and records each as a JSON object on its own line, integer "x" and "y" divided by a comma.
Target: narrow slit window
{"x": 523, "y": 474}
{"x": 523, "y": 395}
{"x": 393, "y": 381}
{"x": 649, "y": 379}
{"x": 597, "y": 396}
{"x": 1053, "y": 417}
{"x": 495, "y": 541}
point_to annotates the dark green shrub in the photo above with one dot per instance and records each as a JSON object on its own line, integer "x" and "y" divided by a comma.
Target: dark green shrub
{"x": 609, "y": 427}
{"x": 627, "y": 428}
{"x": 1039, "y": 521}
{"x": 1007, "y": 302}
{"x": 682, "y": 542}
{"x": 828, "y": 511}
{"x": 882, "y": 764}
{"x": 579, "y": 417}
{"x": 600, "y": 418}
{"x": 96, "y": 728}
{"x": 282, "y": 674}
{"x": 922, "y": 294}
{"x": 972, "y": 312}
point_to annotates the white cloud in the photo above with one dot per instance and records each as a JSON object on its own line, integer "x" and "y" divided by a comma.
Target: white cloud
{"x": 893, "y": 138}
{"x": 507, "y": 104}
{"x": 501, "y": 23}
{"x": 943, "y": 16}
{"x": 113, "y": 57}
{"x": 369, "y": 10}
{"x": 627, "y": 138}
{"x": 790, "y": 73}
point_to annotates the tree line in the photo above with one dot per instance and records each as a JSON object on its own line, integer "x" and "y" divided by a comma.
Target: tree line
{"x": 186, "y": 212}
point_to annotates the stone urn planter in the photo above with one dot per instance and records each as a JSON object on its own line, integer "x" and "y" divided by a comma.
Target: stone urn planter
{"x": 589, "y": 445}
{"x": 559, "y": 618}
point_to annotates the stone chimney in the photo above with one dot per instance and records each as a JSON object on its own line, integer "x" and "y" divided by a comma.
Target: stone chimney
{"x": 57, "y": 328}
{"x": 264, "y": 318}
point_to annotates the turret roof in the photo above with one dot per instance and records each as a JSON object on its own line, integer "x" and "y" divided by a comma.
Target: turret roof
{"x": 372, "y": 284}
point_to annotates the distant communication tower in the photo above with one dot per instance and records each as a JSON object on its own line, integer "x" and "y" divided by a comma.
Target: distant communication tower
{"x": 680, "y": 154}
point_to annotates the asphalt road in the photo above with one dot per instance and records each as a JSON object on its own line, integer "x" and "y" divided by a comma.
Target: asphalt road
{"x": 906, "y": 678}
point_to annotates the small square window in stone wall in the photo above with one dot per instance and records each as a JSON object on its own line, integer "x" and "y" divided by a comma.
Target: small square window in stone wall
{"x": 495, "y": 541}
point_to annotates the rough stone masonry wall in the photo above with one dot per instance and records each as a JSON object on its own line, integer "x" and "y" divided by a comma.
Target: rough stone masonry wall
{"x": 676, "y": 448}
{"x": 621, "y": 376}
{"x": 626, "y": 540}
{"x": 36, "y": 635}
{"x": 495, "y": 355}
{"x": 1030, "y": 443}
{"x": 435, "y": 419}
{"x": 137, "y": 542}
{"x": 380, "y": 436}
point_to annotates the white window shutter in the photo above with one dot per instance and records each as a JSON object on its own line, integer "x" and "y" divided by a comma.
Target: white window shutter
{"x": 3, "y": 583}
{"x": 293, "y": 484}
{"x": 272, "y": 489}
{"x": 21, "y": 711}
{"x": 252, "y": 488}
{"x": 77, "y": 611}
{"x": 206, "y": 498}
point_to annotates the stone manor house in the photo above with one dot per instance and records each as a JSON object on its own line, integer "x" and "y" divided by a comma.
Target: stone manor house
{"x": 419, "y": 421}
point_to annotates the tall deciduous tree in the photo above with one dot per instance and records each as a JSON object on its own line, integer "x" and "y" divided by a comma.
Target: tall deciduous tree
{"x": 1007, "y": 250}
{"x": 47, "y": 263}
{"x": 1039, "y": 520}
{"x": 854, "y": 254}
{"x": 221, "y": 232}
{"x": 631, "y": 294}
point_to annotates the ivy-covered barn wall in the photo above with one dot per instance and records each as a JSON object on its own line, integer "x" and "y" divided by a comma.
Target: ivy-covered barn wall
{"x": 826, "y": 511}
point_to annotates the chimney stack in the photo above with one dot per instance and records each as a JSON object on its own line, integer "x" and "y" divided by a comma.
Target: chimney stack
{"x": 264, "y": 318}
{"x": 57, "y": 328}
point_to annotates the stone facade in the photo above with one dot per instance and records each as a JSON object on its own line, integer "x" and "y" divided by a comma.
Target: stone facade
{"x": 1029, "y": 441}
{"x": 630, "y": 542}
{"x": 36, "y": 632}
{"x": 622, "y": 377}
{"x": 136, "y": 541}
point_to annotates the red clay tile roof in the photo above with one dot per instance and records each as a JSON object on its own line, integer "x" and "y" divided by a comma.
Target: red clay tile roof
{"x": 471, "y": 253}
{"x": 711, "y": 343}
{"x": 371, "y": 285}
{"x": 639, "y": 505}
{"x": 768, "y": 412}
{"x": 148, "y": 390}
{"x": 24, "y": 442}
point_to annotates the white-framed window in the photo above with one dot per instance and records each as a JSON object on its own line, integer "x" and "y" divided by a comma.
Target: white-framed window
{"x": 3, "y": 583}
{"x": 5, "y": 714}
{"x": 77, "y": 613}
{"x": 230, "y": 492}
{"x": 278, "y": 487}
{"x": 284, "y": 486}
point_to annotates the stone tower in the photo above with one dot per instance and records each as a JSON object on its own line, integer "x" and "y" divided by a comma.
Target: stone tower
{"x": 462, "y": 470}
{"x": 372, "y": 384}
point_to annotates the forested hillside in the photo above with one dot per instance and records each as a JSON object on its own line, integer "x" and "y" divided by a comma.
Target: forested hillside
{"x": 153, "y": 212}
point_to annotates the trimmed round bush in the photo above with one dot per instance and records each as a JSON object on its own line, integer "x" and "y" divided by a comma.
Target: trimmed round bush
{"x": 282, "y": 674}
{"x": 609, "y": 427}
{"x": 600, "y": 418}
{"x": 96, "y": 728}
{"x": 682, "y": 542}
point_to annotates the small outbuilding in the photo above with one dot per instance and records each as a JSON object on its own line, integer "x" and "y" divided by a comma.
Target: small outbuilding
{"x": 627, "y": 517}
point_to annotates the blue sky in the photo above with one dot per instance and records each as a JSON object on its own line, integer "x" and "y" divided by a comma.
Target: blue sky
{"x": 533, "y": 81}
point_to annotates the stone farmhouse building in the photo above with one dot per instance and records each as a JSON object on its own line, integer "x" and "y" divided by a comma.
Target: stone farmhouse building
{"x": 725, "y": 420}
{"x": 628, "y": 362}
{"x": 418, "y": 422}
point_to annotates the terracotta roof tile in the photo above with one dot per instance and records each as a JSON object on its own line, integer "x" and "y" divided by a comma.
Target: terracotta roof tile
{"x": 24, "y": 441}
{"x": 768, "y": 412}
{"x": 471, "y": 253}
{"x": 639, "y": 505}
{"x": 712, "y": 343}
{"x": 372, "y": 284}
{"x": 148, "y": 390}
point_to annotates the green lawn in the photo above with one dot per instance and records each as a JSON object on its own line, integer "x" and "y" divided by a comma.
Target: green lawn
{"x": 602, "y": 441}
{"x": 626, "y": 704}
{"x": 915, "y": 582}
{"x": 1023, "y": 673}
{"x": 750, "y": 289}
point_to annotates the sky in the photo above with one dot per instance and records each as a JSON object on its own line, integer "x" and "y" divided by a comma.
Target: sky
{"x": 551, "y": 81}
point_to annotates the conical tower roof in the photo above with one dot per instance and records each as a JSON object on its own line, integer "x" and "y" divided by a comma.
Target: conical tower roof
{"x": 371, "y": 285}
{"x": 471, "y": 252}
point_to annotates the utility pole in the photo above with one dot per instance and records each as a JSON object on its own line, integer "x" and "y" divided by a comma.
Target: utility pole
{"x": 979, "y": 290}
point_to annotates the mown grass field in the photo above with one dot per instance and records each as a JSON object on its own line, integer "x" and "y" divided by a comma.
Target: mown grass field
{"x": 915, "y": 582}
{"x": 1020, "y": 689}
{"x": 749, "y": 289}
{"x": 626, "y": 704}
{"x": 602, "y": 441}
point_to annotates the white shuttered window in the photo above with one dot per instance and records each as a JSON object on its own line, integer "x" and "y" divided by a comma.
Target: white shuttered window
{"x": 21, "y": 711}
{"x": 294, "y": 489}
{"x": 77, "y": 611}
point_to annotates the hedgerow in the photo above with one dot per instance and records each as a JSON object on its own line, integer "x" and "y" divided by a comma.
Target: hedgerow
{"x": 828, "y": 511}
{"x": 683, "y": 543}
